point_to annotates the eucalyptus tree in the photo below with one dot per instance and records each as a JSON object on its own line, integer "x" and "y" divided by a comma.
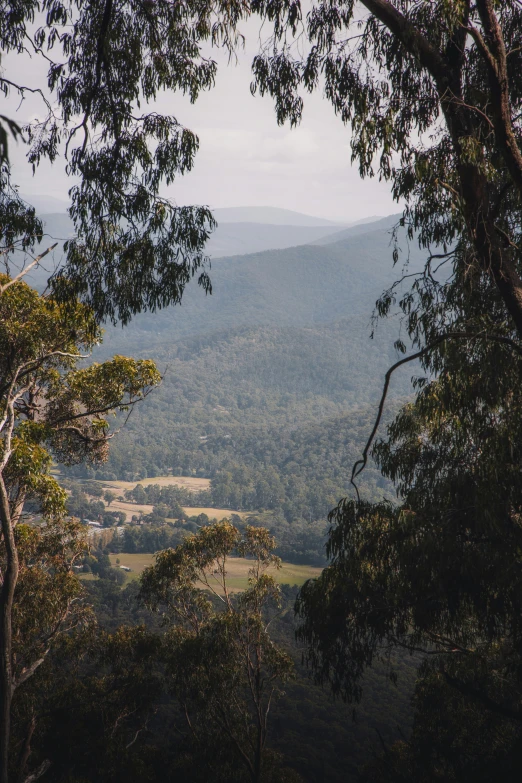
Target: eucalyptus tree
{"x": 51, "y": 408}
{"x": 132, "y": 249}
{"x": 433, "y": 94}
{"x": 222, "y": 665}
{"x": 105, "y": 64}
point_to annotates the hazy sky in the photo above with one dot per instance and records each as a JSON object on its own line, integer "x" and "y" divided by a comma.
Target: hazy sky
{"x": 245, "y": 159}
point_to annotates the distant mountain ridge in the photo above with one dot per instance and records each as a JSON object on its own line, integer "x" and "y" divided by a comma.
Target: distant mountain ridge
{"x": 46, "y": 205}
{"x": 235, "y": 239}
{"x": 298, "y": 286}
{"x": 228, "y": 240}
{"x": 380, "y": 224}
{"x": 274, "y": 216}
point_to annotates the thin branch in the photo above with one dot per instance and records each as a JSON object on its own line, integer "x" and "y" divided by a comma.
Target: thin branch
{"x": 86, "y": 438}
{"x": 26, "y": 269}
{"x": 360, "y": 464}
{"x": 138, "y": 732}
{"x": 38, "y": 773}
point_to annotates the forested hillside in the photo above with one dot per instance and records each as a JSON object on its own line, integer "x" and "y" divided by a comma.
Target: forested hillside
{"x": 298, "y": 286}
{"x": 270, "y": 388}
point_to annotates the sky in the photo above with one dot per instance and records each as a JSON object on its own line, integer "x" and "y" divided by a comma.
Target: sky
{"x": 244, "y": 159}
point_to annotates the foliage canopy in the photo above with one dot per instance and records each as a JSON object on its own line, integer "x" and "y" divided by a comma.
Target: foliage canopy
{"x": 51, "y": 407}
{"x": 106, "y": 62}
{"x": 433, "y": 94}
{"x": 222, "y": 664}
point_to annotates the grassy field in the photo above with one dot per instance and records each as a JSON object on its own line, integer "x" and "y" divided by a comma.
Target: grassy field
{"x": 237, "y": 572}
{"x": 190, "y": 482}
{"x": 218, "y": 513}
{"x": 194, "y": 484}
{"x": 129, "y": 508}
{"x": 134, "y": 508}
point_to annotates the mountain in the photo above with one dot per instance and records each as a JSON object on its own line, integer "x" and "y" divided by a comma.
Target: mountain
{"x": 231, "y": 239}
{"x": 298, "y": 286}
{"x": 271, "y": 383}
{"x": 358, "y": 229}
{"x": 269, "y": 215}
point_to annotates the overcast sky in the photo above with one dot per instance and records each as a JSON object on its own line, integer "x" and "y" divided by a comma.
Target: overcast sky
{"x": 245, "y": 159}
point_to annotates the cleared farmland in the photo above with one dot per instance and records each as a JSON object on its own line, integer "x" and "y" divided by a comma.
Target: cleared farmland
{"x": 191, "y": 511}
{"x": 238, "y": 568}
{"x": 189, "y": 482}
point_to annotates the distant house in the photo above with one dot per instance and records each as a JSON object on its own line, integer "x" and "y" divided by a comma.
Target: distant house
{"x": 91, "y": 523}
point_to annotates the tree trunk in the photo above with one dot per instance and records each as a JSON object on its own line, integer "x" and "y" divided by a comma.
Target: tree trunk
{"x": 6, "y": 672}
{"x": 6, "y": 631}
{"x": 462, "y": 122}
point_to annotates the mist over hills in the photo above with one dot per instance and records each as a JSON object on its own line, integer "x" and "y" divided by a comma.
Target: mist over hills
{"x": 231, "y": 239}
{"x": 357, "y": 229}
{"x": 270, "y": 216}
{"x": 299, "y": 286}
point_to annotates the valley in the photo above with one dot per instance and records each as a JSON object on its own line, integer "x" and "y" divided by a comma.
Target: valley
{"x": 269, "y": 391}
{"x": 269, "y": 387}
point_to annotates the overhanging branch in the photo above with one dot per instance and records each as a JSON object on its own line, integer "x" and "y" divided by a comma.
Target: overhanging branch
{"x": 361, "y": 463}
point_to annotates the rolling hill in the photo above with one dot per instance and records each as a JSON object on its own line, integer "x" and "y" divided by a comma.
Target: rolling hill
{"x": 298, "y": 286}
{"x": 274, "y": 373}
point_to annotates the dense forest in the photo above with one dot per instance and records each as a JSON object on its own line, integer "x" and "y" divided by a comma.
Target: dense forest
{"x": 289, "y": 407}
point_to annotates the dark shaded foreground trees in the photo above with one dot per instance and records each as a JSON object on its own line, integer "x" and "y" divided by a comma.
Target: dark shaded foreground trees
{"x": 433, "y": 93}
{"x": 102, "y": 706}
{"x": 222, "y": 666}
{"x": 50, "y": 407}
{"x": 185, "y": 692}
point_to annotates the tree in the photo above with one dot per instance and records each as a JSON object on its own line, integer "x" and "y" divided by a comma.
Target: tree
{"x": 96, "y": 698}
{"x": 92, "y": 489}
{"x": 138, "y": 494}
{"x": 433, "y": 94}
{"x": 453, "y": 738}
{"x": 109, "y": 496}
{"x": 50, "y": 408}
{"x": 222, "y": 665}
{"x": 48, "y": 604}
{"x": 133, "y": 249}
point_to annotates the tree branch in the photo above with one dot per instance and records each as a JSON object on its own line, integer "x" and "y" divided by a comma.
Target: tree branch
{"x": 495, "y": 56}
{"x": 26, "y": 269}
{"x": 361, "y": 463}
{"x": 411, "y": 38}
{"x": 38, "y": 773}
